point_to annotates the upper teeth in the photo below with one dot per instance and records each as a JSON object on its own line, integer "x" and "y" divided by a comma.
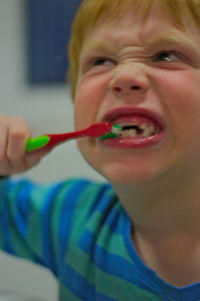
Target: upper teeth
{"x": 147, "y": 131}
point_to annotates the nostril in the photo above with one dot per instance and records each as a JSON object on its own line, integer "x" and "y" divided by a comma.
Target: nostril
{"x": 118, "y": 89}
{"x": 135, "y": 88}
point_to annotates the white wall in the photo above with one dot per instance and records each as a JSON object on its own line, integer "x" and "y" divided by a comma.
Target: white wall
{"x": 46, "y": 109}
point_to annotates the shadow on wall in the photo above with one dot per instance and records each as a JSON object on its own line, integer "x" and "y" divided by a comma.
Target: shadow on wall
{"x": 49, "y": 26}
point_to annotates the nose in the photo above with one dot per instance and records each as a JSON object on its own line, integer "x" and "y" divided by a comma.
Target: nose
{"x": 129, "y": 79}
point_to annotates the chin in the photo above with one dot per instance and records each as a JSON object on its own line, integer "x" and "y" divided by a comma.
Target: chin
{"x": 126, "y": 175}
{"x": 127, "y": 178}
{"x": 123, "y": 169}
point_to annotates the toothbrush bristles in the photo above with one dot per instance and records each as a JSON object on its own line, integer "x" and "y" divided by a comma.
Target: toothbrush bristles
{"x": 116, "y": 129}
{"x": 115, "y": 132}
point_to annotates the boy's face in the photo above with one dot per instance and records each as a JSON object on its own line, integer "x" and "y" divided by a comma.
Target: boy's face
{"x": 128, "y": 66}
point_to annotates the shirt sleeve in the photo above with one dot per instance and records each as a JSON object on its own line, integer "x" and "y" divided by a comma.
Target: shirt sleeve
{"x": 31, "y": 215}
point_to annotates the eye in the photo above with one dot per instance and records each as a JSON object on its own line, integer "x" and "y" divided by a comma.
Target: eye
{"x": 102, "y": 62}
{"x": 167, "y": 56}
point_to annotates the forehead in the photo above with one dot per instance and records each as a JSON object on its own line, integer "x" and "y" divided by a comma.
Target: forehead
{"x": 156, "y": 29}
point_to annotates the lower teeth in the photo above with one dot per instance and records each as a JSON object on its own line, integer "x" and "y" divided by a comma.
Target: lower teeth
{"x": 129, "y": 133}
{"x": 133, "y": 133}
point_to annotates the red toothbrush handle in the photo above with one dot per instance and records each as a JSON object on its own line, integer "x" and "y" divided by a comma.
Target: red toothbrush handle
{"x": 95, "y": 130}
{"x": 58, "y": 138}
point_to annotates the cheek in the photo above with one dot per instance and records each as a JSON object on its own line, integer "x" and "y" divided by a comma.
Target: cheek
{"x": 81, "y": 117}
{"x": 88, "y": 101}
{"x": 183, "y": 103}
{"x": 182, "y": 86}
{"x": 181, "y": 95}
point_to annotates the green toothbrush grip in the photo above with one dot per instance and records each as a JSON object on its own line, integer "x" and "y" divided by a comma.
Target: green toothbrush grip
{"x": 37, "y": 143}
{"x": 108, "y": 136}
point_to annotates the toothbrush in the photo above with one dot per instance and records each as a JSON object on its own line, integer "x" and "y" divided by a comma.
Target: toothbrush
{"x": 97, "y": 130}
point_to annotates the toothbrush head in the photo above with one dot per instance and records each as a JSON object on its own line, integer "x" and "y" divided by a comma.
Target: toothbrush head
{"x": 115, "y": 132}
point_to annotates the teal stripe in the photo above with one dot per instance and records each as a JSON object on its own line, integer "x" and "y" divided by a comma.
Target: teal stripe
{"x": 20, "y": 246}
{"x": 34, "y": 235}
{"x": 66, "y": 295}
{"x": 1, "y": 240}
{"x": 13, "y": 197}
{"x": 16, "y": 239}
{"x": 85, "y": 204}
{"x": 116, "y": 241}
{"x": 58, "y": 206}
{"x": 38, "y": 199}
{"x": 105, "y": 283}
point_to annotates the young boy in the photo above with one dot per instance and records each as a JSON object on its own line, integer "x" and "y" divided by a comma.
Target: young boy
{"x": 134, "y": 63}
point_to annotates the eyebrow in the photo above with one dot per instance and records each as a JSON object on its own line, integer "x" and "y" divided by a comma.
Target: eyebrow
{"x": 168, "y": 40}
{"x": 162, "y": 40}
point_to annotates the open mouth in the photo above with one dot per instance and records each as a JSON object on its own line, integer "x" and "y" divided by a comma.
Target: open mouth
{"x": 134, "y": 127}
{"x": 134, "y": 130}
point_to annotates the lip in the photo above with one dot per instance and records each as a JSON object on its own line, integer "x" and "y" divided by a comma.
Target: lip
{"x": 133, "y": 142}
{"x": 116, "y": 113}
{"x": 138, "y": 142}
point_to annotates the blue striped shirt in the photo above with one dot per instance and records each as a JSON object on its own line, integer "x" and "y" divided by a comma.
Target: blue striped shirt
{"x": 79, "y": 230}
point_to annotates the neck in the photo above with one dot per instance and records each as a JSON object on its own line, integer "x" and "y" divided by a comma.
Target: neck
{"x": 166, "y": 231}
{"x": 164, "y": 208}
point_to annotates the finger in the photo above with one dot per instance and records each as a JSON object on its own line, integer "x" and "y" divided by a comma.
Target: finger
{"x": 4, "y": 164}
{"x": 3, "y": 141}
{"x": 35, "y": 157}
{"x": 18, "y": 134}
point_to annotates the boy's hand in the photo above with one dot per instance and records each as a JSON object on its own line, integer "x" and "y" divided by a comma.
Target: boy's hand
{"x": 14, "y": 133}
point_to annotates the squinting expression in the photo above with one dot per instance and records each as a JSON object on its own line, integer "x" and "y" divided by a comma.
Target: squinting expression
{"x": 156, "y": 67}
